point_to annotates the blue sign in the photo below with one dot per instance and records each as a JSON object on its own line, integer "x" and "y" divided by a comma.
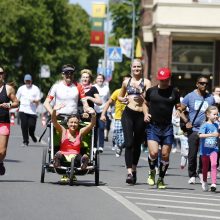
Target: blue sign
{"x": 115, "y": 54}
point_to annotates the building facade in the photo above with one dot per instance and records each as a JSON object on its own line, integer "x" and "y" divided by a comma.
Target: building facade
{"x": 183, "y": 35}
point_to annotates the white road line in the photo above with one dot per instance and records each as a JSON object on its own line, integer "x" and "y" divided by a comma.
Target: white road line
{"x": 183, "y": 214}
{"x": 132, "y": 207}
{"x": 174, "y": 196}
{"x": 177, "y": 207}
{"x": 173, "y": 201}
{"x": 167, "y": 191}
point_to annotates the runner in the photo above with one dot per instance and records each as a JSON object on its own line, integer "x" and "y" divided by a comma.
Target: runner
{"x": 7, "y": 100}
{"x": 134, "y": 117}
{"x": 161, "y": 100}
{"x": 118, "y": 136}
{"x": 67, "y": 92}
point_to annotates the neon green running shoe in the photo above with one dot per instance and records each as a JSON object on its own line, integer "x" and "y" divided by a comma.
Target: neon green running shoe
{"x": 151, "y": 177}
{"x": 160, "y": 184}
{"x": 64, "y": 179}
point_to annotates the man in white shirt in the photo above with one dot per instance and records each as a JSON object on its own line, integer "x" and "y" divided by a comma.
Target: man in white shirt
{"x": 67, "y": 92}
{"x": 29, "y": 97}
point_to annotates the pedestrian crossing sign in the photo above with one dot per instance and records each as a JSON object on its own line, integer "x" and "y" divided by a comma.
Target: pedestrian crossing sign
{"x": 115, "y": 54}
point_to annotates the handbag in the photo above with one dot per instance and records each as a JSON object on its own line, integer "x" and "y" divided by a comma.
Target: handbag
{"x": 183, "y": 127}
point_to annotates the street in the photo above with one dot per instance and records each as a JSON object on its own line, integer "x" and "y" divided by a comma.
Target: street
{"x": 22, "y": 196}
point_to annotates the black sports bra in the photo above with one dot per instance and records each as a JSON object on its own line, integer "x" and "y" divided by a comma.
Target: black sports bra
{"x": 131, "y": 90}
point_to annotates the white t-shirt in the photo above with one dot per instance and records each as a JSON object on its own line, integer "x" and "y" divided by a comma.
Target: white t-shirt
{"x": 104, "y": 94}
{"x": 64, "y": 94}
{"x": 26, "y": 96}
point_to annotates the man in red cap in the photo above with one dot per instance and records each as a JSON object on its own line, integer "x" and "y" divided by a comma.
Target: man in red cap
{"x": 161, "y": 100}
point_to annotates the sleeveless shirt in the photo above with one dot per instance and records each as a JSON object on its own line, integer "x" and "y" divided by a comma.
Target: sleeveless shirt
{"x": 4, "y": 113}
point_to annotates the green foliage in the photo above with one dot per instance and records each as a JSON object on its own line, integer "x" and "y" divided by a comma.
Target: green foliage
{"x": 51, "y": 32}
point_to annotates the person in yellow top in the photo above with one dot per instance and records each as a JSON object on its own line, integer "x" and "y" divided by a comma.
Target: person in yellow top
{"x": 118, "y": 136}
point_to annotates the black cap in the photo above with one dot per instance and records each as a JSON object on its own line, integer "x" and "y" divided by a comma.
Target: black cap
{"x": 68, "y": 69}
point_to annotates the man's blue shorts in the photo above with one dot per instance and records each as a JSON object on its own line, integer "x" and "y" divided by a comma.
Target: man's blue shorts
{"x": 161, "y": 133}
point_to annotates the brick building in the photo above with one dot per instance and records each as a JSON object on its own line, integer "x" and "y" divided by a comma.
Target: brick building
{"x": 183, "y": 35}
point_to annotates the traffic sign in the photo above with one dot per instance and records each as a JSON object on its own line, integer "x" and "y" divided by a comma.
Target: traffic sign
{"x": 115, "y": 54}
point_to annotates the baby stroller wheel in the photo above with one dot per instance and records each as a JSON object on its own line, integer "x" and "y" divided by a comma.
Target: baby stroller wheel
{"x": 97, "y": 168}
{"x": 43, "y": 165}
{"x": 72, "y": 172}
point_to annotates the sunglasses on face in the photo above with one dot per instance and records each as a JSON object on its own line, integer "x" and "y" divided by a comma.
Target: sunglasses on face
{"x": 68, "y": 73}
{"x": 1, "y": 73}
{"x": 203, "y": 83}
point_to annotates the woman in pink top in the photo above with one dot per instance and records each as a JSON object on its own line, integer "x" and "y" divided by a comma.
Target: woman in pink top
{"x": 71, "y": 140}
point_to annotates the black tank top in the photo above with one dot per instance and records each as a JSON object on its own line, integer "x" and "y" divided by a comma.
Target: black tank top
{"x": 4, "y": 113}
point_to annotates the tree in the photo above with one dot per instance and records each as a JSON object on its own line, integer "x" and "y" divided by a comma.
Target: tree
{"x": 51, "y": 32}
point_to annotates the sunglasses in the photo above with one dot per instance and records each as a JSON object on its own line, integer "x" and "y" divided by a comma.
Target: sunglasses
{"x": 68, "y": 73}
{"x": 203, "y": 83}
{"x": 1, "y": 73}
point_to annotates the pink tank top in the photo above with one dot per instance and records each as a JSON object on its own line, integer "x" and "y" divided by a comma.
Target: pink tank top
{"x": 68, "y": 147}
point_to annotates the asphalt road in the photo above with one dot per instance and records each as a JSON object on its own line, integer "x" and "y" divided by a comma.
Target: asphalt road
{"x": 23, "y": 197}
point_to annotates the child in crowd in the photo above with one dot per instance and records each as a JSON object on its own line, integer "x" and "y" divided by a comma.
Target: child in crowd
{"x": 209, "y": 134}
{"x": 71, "y": 138}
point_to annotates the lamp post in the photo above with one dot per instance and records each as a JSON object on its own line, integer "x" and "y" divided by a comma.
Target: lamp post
{"x": 133, "y": 27}
{"x": 107, "y": 27}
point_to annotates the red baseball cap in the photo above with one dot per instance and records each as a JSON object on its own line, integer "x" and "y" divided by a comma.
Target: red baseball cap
{"x": 163, "y": 73}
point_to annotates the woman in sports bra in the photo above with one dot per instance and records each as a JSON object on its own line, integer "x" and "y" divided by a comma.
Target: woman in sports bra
{"x": 134, "y": 117}
{"x": 8, "y": 100}
{"x": 71, "y": 140}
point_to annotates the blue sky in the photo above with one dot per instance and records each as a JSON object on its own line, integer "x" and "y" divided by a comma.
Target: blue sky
{"x": 86, "y": 4}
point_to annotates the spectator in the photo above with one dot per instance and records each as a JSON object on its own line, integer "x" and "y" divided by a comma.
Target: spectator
{"x": 197, "y": 102}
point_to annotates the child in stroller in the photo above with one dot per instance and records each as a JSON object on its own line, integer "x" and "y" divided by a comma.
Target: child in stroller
{"x": 71, "y": 139}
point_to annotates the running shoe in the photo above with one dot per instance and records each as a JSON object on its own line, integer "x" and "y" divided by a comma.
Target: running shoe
{"x": 64, "y": 179}
{"x": 160, "y": 183}
{"x": 134, "y": 173}
{"x": 204, "y": 186}
{"x": 2, "y": 169}
{"x": 118, "y": 152}
{"x": 100, "y": 149}
{"x": 151, "y": 177}
{"x": 84, "y": 162}
{"x": 130, "y": 179}
{"x": 213, "y": 187}
{"x": 192, "y": 180}
{"x": 34, "y": 139}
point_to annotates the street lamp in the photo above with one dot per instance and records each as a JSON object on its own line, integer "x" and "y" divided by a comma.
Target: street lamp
{"x": 107, "y": 27}
{"x": 133, "y": 27}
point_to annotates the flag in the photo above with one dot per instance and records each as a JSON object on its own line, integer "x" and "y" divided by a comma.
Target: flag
{"x": 97, "y": 37}
{"x": 126, "y": 44}
{"x": 138, "y": 51}
{"x": 97, "y": 24}
{"x": 98, "y": 10}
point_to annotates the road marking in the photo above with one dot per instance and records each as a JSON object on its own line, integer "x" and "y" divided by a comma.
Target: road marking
{"x": 174, "y": 196}
{"x": 173, "y": 201}
{"x": 167, "y": 191}
{"x": 183, "y": 214}
{"x": 132, "y": 207}
{"x": 177, "y": 207}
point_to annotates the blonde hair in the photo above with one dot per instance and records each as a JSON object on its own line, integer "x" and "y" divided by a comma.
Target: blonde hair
{"x": 209, "y": 109}
{"x": 86, "y": 71}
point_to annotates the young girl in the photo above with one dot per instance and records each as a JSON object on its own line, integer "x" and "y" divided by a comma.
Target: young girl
{"x": 71, "y": 140}
{"x": 208, "y": 134}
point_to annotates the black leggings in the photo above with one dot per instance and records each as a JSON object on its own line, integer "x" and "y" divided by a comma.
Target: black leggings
{"x": 134, "y": 128}
{"x": 28, "y": 125}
